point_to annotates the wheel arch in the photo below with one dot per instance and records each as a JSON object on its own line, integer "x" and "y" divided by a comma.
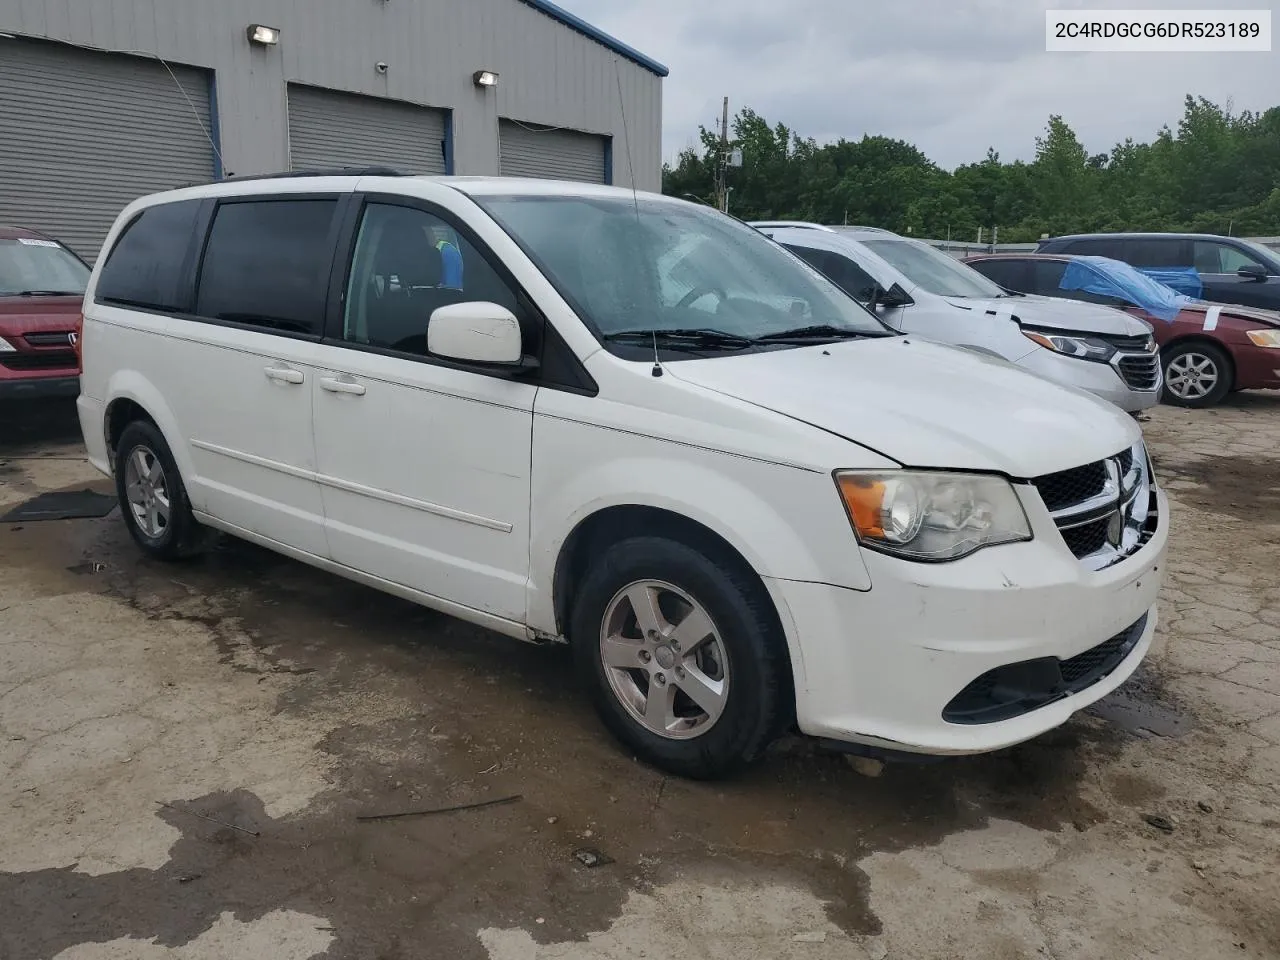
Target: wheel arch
{"x": 132, "y": 397}
{"x": 601, "y": 529}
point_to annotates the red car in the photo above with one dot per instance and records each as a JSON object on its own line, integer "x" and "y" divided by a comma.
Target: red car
{"x": 41, "y": 287}
{"x": 1208, "y": 350}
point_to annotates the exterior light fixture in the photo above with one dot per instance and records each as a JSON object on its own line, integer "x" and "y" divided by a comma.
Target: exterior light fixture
{"x": 263, "y": 36}
{"x": 485, "y": 78}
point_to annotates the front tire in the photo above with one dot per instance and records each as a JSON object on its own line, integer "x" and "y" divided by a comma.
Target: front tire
{"x": 152, "y": 496}
{"x": 683, "y": 656}
{"x": 1196, "y": 374}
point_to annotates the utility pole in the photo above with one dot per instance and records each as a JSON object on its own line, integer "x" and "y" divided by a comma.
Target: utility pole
{"x": 722, "y": 166}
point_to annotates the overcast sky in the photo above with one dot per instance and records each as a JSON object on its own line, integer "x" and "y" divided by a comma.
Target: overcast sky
{"x": 951, "y": 76}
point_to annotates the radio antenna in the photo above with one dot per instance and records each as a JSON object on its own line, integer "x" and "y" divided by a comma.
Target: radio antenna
{"x": 635, "y": 195}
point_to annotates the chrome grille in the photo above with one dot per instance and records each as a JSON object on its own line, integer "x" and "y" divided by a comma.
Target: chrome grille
{"x": 61, "y": 338}
{"x": 1104, "y": 510}
{"x": 1139, "y": 371}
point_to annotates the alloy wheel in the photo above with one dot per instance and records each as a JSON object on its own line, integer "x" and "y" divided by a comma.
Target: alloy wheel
{"x": 1191, "y": 376}
{"x": 147, "y": 491}
{"x": 665, "y": 660}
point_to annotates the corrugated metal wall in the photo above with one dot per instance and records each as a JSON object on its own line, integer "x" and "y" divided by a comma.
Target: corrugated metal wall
{"x": 82, "y": 134}
{"x": 328, "y": 129}
{"x": 549, "y": 74}
{"x": 527, "y": 151}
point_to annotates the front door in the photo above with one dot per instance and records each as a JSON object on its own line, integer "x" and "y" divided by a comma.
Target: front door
{"x": 424, "y": 464}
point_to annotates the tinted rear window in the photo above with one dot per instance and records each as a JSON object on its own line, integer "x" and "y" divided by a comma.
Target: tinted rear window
{"x": 267, "y": 264}
{"x": 144, "y": 268}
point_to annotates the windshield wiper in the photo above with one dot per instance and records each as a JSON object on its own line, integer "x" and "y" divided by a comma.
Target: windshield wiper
{"x": 46, "y": 293}
{"x": 689, "y": 338}
{"x": 818, "y": 332}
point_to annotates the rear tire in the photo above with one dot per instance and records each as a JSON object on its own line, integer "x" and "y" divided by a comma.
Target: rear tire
{"x": 1196, "y": 374}
{"x": 152, "y": 496}
{"x": 683, "y": 655}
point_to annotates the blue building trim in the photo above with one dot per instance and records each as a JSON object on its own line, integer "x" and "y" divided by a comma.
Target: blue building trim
{"x": 215, "y": 131}
{"x": 608, "y": 161}
{"x": 448, "y": 143}
{"x": 598, "y": 35}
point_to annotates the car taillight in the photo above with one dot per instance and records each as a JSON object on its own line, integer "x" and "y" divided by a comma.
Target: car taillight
{"x": 77, "y": 343}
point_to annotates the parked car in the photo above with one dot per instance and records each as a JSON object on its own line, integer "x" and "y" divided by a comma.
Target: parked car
{"x": 41, "y": 286}
{"x": 915, "y": 288}
{"x": 1231, "y": 270}
{"x": 1207, "y": 350}
{"x": 743, "y": 501}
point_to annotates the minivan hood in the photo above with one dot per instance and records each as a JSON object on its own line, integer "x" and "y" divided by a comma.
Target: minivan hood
{"x": 1059, "y": 314}
{"x": 925, "y": 404}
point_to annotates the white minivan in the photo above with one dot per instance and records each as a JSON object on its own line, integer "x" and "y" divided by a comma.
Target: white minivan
{"x": 915, "y": 288}
{"x": 745, "y": 503}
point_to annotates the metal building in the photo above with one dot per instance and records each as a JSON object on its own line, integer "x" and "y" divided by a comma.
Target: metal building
{"x": 102, "y": 101}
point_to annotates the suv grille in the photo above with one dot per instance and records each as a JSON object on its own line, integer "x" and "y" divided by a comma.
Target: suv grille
{"x": 1068, "y": 487}
{"x": 1104, "y": 510}
{"x": 60, "y": 339}
{"x": 1141, "y": 371}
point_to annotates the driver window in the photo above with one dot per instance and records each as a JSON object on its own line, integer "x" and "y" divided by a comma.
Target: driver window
{"x": 407, "y": 264}
{"x": 1213, "y": 257}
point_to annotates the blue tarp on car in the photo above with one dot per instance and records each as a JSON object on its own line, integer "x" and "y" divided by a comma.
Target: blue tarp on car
{"x": 1185, "y": 280}
{"x": 1111, "y": 278}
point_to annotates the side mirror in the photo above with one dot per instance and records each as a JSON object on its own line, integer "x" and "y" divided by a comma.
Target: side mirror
{"x": 1253, "y": 271}
{"x": 483, "y": 333}
{"x": 895, "y": 296}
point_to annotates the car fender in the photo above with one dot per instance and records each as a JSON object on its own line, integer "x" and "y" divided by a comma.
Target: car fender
{"x": 130, "y": 384}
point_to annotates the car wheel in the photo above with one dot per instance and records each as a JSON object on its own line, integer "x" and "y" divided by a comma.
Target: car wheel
{"x": 152, "y": 496}
{"x": 683, "y": 655}
{"x": 1196, "y": 374}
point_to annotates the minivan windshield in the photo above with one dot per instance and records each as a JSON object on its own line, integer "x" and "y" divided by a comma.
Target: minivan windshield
{"x": 648, "y": 264}
{"x": 36, "y": 267}
{"x": 930, "y": 269}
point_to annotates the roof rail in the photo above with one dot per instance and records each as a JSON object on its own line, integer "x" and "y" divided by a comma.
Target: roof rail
{"x": 788, "y": 225}
{"x": 289, "y": 174}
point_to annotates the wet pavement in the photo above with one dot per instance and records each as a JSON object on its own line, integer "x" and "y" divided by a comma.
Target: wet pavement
{"x": 189, "y": 748}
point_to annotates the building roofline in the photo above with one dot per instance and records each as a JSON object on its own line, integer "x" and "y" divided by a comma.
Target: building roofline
{"x": 573, "y": 22}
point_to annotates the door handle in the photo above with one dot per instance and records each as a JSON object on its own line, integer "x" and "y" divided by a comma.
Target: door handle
{"x": 283, "y": 375}
{"x": 334, "y": 385}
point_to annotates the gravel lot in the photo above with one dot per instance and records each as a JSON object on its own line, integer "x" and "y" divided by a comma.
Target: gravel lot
{"x": 254, "y": 691}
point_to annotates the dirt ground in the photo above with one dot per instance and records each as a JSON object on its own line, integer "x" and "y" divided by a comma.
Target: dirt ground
{"x": 137, "y": 700}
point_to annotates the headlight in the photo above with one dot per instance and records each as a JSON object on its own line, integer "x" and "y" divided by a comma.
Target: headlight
{"x": 931, "y": 516}
{"x": 1264, "y": 338}
{"x": 6, "y": 346}
{"x": 1082, "y": 348}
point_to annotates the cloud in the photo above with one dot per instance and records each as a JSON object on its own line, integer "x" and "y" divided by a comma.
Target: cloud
{"x": 951, "y": 76}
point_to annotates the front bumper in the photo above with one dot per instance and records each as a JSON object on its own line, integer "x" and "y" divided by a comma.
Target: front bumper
{"x": 32, "y": 388}
{"x": 881, "y": 667}
{"x": 1100, "y": 379}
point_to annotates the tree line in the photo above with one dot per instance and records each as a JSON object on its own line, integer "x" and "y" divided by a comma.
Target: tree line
{"x": 1217, "y": 172}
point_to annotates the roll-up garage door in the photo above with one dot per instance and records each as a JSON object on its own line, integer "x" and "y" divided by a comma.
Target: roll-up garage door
{"x": 83, "y": 133}
{"x": 330, "y": 129}
{"x": 527, "y": 151}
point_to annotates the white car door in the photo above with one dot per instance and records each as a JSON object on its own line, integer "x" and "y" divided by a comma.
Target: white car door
{"x": 239, "y": 374}
{"x": 424, "y": 464}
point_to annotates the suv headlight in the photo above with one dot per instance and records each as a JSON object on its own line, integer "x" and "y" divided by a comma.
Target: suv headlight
{"x": 1082, "y": 348}
{"x": 929, "y": 516}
